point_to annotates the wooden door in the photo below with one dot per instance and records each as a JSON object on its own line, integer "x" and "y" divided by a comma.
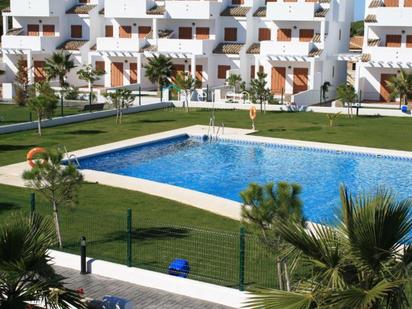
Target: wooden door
{"x": 117, "y": 74}
{"x": 144, "y": 31}
{"x": 185, "y": 33}
{"x": 48, "y": 30}
{"x": 408, "y": 3}
{"x": 284, "y": 35}
{"x": 177, "y": 69}
{"x": 39, "y": 72}
{"x": 109, "y": 31}
{"x": 231, "y": 34}
{"x": 391, "y": 3}
{"x": 278, "y": 80}
{"x": 33, "y": 30}
{"x": 264, "y": 34}
{"x": 393, "y": 40}
{"x": 133, "y": 73}
{"x": 100, "y": 66}
{"x": 300, "y": 80}
{"x": 385, "y": 92}
{"x": 202, "y": 33}
{"x": 125, "y": 32}
{"x": 76, "y": 31}
{"x": 199, "y": 72}
{"x": 306, "y": 35}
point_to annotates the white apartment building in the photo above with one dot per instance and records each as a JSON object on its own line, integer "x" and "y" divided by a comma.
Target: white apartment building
{"x": 295, "y": 42}
{"x": 387, "y": 47}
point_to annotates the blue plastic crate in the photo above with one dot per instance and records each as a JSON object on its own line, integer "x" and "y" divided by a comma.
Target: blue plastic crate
{"x": 179, "y": 268}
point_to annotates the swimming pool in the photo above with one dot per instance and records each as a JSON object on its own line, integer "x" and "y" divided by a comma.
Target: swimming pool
{"x": 226, "y": 167}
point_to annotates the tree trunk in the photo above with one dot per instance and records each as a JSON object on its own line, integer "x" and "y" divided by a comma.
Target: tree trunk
{"x": 90, "y": 97}
{"x": 187, "y": 102}
{"x": 39, "y": 124}
{"x": 287, "y": 278}
{"x": 57, "y": 224}
{"x": 61, "y": 102}
{"x": 279, "y": 270}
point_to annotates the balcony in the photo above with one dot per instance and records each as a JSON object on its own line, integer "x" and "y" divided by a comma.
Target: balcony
{"x": 35, "y": 43}
{"x": 127, "y": 8}
{"x": 285, "y": 48}
{"x": 392, "y": 16}
{"x": 38, "y": 8}
{"x": 192, "y": 9}
{"x": 387, "y": 54}
{"x": 196, "y": 47}
{"x": 300, "y": 10}
{"x": 120, "y": 44}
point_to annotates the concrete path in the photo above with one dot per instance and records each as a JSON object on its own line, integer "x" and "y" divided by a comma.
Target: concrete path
{"x": 146, "y": 298}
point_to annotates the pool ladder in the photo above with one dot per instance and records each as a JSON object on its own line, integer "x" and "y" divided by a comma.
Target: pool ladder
{"x": 70, "y": 157}
{"x": 212, "y": 133}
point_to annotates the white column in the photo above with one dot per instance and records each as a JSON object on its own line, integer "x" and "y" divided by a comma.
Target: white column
{"x": 155, "y": 32}
{"x": 30, "y": 67}
{"x": 312, "y": 75}
{"x": 193, "y": 66}
{"x": 139, "y": 68}
{"x": 5, "y": 24}
{"x": 108, "y": 70}
{"x": 322, "y": 32}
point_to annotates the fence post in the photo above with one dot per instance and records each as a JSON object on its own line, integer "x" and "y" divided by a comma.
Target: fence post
{"x": 129, "y": 237}
{"x": 32, "y": 203}
{"x": 207, "y": 93}
{"x": 83, "y": 264}
{"x": 161, "y": 94}
{"x": 31, "y": 116}
{"x": 140, "y": 95}
{"x": 242, "y": 259}
{"x": 281, "y": 96}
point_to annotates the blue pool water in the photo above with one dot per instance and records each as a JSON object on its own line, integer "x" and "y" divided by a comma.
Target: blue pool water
{"x": 225, "y": 168}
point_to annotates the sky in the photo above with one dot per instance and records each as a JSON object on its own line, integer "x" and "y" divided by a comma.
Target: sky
{"x": 359, "y": 9}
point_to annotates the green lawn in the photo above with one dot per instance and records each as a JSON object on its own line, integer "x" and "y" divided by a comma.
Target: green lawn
{"x": 11, "y": 113}
{"x": 382, "y": 132}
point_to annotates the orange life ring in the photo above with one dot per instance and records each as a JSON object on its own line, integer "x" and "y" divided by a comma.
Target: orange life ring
{"x": 32, "y": 153}
{"x": 252, "y": 113}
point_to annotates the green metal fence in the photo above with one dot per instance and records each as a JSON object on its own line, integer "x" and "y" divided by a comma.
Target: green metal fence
{"x": 236, "y": 260}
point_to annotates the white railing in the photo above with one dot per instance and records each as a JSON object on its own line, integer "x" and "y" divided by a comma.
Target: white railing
{"x": 119, "y": 44}
{"x": 127, "y": 8}
{"x": 193, "y": 9}
{"x": 300, "y": 10}
{"x": 285, "y": 48}
{"x": 35, "y": 43}
{"x": 196, "y": 47}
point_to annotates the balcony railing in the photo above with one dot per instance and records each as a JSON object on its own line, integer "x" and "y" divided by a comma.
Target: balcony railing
{"x": 120, "y": 44}
{"x": 395, "y": 54}
{"x": 196, "y": 47}
{"x": 39, "y": 8}
{"x": 127, "y": 8}
{"x": 34, "y": 43}
{"x": 193, "y": 9}
{"x": 285, "y": 48}
{"x": 300, "y": 10}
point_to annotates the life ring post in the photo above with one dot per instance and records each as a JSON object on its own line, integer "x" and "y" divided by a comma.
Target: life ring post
{"x": 252, "y": 115}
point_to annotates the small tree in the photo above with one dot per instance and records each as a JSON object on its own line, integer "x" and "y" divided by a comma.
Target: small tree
{"x": 258, "y": 91}
{"x": 262, "y": 206}
{"x": 187, "y": 84}
{"x": 58, "y": 183}
{"x": 90, "y": 75}
{"x": 332, "y": 118}
{"x": 401, "y": 86}
{"x": 120, "y": 100}
{"x": 347, "y": 94}
{"x": 158, "y": 70}
{"x": 42, "y": 102}
{"x": 21, "y": 84}
{"x": 58, "y": 66}
{"x": 234, "y": 81}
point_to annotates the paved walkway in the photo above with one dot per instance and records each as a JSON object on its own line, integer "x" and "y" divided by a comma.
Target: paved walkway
{"x": 146, "y": 298}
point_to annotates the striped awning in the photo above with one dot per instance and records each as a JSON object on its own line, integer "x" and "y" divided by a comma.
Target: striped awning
{"x": 297, "y": 58}
{"x": 115, "y": 53}
{"x": 149, "y": 54}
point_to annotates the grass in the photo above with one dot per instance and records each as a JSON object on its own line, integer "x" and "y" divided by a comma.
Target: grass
{"x": 162, "y": 230}
{"x": 11, "y": 113}
{"x": 381, "y": 132}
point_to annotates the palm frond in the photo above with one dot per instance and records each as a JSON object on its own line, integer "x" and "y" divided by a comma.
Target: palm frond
{"x": 275, "y": 299}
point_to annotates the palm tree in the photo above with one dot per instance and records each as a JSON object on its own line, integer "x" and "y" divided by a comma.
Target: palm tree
{"x": 401, "y": 86}
{"x": 158, "y": 70}
{"x": 187, "y": 84}
{"x": 90, "y": 75}
{"x": 347, "y": 94}
{"x": 57, "y": 183}
{"x": 234, "y": 81}
{"x": 58, "y": 66}
{"x": 25, "y": 271}
{"x": 262, "y": 206}
{"x": 363, "y": 263}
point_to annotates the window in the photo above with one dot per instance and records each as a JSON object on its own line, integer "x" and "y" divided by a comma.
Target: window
{"x": 76, "y": 31}
{"x": 99, "y": 66}
{"x": 393, "y": 40}
{"x": 222, "y": 71}
{"x": 284, "y": 35}
{"x": 264, "y": 34}
{"x": 231, "y": 34}
{"x": 109, "y": 31}
{"x": 306, "y": 35}
{"x": 353, "y": 66}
